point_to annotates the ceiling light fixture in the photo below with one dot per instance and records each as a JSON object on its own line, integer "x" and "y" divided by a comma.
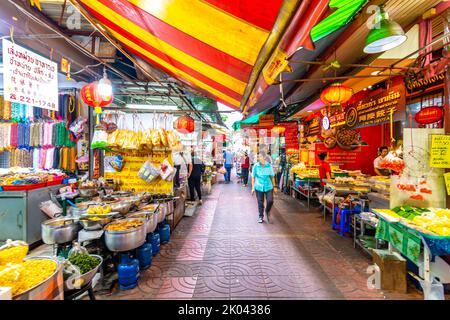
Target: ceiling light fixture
{"x": 385, "y": 35}
{"x": 152, "y": 107}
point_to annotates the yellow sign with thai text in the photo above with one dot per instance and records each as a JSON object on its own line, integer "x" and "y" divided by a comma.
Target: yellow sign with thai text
{"x": 128, "y": 176}
{"x": 440, "y": 151}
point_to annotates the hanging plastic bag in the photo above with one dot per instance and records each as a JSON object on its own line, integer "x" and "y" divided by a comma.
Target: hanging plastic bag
{"x": 117, "y": 163}
{"x": 100, "y": 139}
{"x": 148, "y": 172}
{"x": 77, "y": 127}
{"x": 173, "y": 139}
{"x": 167, "y": 171}
{"x": 50, "y": 208}
{"x": 392, "y": 162}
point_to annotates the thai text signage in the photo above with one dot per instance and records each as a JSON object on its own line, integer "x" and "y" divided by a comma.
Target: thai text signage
{"x": 376, "y": 109}
{"x": 29, "y": 78}
{"x": 266, "y": 120}
{"x": 417, "y": 85}
{"x": 440, "y": 151}
{"x": 429, "y": 115}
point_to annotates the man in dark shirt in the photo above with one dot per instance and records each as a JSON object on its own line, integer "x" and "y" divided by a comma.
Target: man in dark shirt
{"x": 195, "y": 178}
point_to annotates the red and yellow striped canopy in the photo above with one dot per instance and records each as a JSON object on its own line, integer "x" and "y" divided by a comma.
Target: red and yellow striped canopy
{"x": 212, "y": 45}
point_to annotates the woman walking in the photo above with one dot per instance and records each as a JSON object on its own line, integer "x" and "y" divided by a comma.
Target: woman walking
{"x": 245, "y": 166}
{"x": 263, "y": 184}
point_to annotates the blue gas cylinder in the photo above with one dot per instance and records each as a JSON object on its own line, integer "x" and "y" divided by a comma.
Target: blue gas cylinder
{"x": 155, "y": 243}
{"x": 144, "y": 255}
{"x": 128, "y": 271}
{"x": 164, "y": 233}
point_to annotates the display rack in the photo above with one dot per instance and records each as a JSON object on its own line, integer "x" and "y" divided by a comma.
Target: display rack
{"x": 309, "y": 192}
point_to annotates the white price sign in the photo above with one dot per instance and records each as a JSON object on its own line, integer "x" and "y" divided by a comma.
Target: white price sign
{"x": 29, "y": 78}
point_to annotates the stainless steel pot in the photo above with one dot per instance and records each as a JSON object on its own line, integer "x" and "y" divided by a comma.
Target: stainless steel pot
{"x": 91, "y": 225}
{"x": 122, "y": 207}
{"x": 59, "y": 230}
{"x": 163, "y": 211}
{"x": 126, "y": 240}
{"x": 77, "y": 282}
{"x": 49, "y": 289}
{"x": 150, "y": 218}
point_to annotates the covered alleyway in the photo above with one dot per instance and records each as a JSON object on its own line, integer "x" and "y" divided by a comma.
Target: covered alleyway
{"x": 223, "y": 253}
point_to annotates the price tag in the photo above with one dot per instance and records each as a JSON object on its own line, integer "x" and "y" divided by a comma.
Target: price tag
{"x": 440, "y": 151}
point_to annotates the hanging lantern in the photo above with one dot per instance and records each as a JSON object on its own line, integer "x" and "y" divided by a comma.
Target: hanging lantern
{"x": 279, "y": 130}
{"x": 184, "y": 124}
{"x": 90, "y": 95}
{"x": 336, "y": 94}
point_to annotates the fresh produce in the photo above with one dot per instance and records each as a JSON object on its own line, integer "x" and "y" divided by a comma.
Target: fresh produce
{"x": 124, "y": 225}
{"x": 409, "y": 212}
{"x": 436, "y": 221}
{"x": 84, "y": 261}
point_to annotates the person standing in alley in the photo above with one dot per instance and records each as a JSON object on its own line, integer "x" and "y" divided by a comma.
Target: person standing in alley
{"x": 229, "y": 157}
{"x": 263, "y": 184}
{"x": 196, "y": 170}
{"x": 245, "y": 167}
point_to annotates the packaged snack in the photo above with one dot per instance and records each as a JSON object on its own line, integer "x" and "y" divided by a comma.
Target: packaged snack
{"x": 148, "y": 172}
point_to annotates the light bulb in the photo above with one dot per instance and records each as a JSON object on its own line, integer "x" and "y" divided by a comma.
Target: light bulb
{"x": 105, "y": 88}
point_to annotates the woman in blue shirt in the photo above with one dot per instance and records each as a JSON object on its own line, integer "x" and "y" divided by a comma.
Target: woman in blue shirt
{"x": 263, "y": 184}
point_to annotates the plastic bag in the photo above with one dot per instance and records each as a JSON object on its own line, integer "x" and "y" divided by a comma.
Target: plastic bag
{"x": 392, "y": 162}
{"x": 76, "y": 249}
{"x": 100, "y": 139}
{"x": 148, "y": 172}
{"x": 117, "y": 163}
{"x": 163, "y": 137}
{"x": 50, "y": 208}
{"x": 173, "y": 139}
{"x": 77, "y": 127}
{"x": 167, "y": 171}
{"x": 222, "y": 170}
{"x": 156, "y": 139}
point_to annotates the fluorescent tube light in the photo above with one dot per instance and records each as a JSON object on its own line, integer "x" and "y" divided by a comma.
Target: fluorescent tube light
{"x": 152, "y": 107}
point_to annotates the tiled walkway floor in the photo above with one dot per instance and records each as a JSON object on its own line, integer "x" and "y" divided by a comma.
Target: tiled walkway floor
{"x": 223, "y": 253}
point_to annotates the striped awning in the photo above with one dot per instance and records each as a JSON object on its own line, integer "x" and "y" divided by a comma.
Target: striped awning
{"x": 212, "y": 45}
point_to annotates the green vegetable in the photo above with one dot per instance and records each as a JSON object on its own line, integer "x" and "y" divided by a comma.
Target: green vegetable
{"x": 84, "y": 262}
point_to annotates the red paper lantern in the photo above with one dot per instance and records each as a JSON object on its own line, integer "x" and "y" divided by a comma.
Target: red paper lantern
{"x": 336, "y": 94}
{"x": 90, "y": 96}
{"x": 184, "y": 124}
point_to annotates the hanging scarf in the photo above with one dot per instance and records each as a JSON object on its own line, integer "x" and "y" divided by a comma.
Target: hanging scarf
{"x": 14, "y": 135}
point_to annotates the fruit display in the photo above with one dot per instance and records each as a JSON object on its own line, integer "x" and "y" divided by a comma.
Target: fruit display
{"x": 408, "y": 212}
{"x": 99, "y": 209}
{"x": 304, "y": 172}
{"x": 436, "y": 221}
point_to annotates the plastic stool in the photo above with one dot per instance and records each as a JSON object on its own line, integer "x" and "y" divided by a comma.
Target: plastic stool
{"x": 345, "y": 218}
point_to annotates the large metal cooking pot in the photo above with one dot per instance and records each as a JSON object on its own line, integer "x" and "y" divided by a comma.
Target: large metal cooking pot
{"x": 89, "y": 224}
{"x": 50, "y": 289}
{"x": 122, "y": 207}
{"x": 163, "y": 211}
{"x": 126, "y": 240}
{"x": 59, "y": 230}
{"x": 149, "y": 217}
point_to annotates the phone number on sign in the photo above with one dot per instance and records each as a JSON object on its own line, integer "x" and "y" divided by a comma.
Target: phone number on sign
{"x": 34, "y": 102}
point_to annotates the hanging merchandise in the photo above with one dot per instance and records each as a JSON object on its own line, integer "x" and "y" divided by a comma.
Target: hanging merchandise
{"x": 393, "y": 162}
{"x": 77, "y": 127}
{"x": 148, "y": 172}
{"x": 184, "y": 124}
{"x": 167, "y": 171}
{"x": 117, "y": 163}
{"x": 100, "y": 138}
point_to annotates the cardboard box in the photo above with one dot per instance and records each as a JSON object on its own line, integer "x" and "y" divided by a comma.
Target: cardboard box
{"x": 393, "y": 270}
